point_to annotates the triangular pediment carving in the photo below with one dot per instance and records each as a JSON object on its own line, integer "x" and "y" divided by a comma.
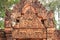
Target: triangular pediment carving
{"x": 29, "y": 19}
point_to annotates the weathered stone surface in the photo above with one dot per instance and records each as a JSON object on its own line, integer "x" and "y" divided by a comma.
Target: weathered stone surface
{"x": 50, "y": 30}
{"x": 29, "y": 19}
{"x": 8, "y": 29}
{"x": 2, "y": 35}
{"x": 7, "y": 24}
{"x": 29, "y": 33}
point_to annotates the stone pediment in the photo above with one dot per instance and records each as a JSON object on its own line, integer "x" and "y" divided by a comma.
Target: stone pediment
{"x": 29, "y": 19}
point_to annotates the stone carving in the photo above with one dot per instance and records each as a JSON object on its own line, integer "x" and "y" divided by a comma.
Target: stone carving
{"x": 29, "y": 19}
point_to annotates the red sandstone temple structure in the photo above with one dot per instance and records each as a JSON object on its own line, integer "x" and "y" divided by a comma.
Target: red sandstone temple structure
{"x": 29, "y": 20}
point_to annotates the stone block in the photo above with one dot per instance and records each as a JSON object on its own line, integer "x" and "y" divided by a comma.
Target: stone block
{"x": 50, "y": 35}
{"x": 8, "y": 30}
{"x": 50, "y": 30}
{"x": 28, "y": 33}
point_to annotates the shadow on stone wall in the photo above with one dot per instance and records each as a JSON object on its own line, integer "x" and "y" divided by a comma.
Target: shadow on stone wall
{"x": 2, "y": 35}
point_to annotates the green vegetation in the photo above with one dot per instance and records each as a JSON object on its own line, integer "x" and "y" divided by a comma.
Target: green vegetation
{"x": 5, "y": 4}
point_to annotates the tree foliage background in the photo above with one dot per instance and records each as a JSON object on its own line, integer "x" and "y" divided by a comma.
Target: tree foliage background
{"x": 6, "y": 4}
